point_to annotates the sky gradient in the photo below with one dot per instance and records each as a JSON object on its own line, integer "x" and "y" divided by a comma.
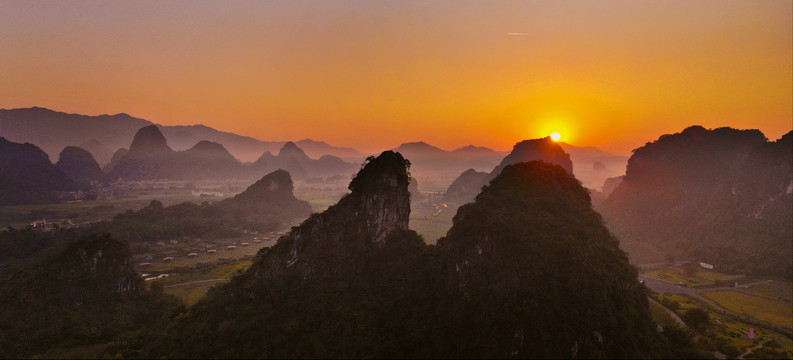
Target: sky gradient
{"x": 374, "y": 74}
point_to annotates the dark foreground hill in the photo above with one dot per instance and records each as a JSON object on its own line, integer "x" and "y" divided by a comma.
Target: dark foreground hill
{"x": 723, "y": 196}
{"x": 528, "y": 270}
{"x": 27, "y": 176}
{"x": 88, "y": 294}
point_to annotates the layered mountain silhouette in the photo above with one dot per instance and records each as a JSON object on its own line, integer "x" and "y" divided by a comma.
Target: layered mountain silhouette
{"x": 28, "y": 176}
{"x": 101, "y": 153}
{"x": 294, "y": 160}
{"x": 528, "y": 270}
{"x": 468, "y": 183}
{"x": 428, "y": 159}
{"x": 317, "y": 149}
{"x": 150, "y": 157}
{"x": 53, "y": 130}
{"x": 723, "y": 196}
{"x": 593, "y": 166}
{"x": 267, "y": 205}
{"x": 465, "y": 187}
{"x": 80, "y": 166}
{"x": 87, "y": 294}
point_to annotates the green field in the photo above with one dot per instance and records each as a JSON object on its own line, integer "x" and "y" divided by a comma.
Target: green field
{"x": 776, "y": 312}
{"x": 191, "y": 293}
{"x": 774, "y": 289}
{"x": 699, "y": 277}
{"x": 725, "y": 333}
{"x": 90, "y": 210}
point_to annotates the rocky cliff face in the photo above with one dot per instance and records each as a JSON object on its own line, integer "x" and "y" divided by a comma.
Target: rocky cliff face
{"x": 718, "y": 195}
{"x": 80, "y": 166}
{"x": 95, "y": 267}
{"x": 87, "y": 294}
{"x": 378, "y": 205}
{"x": 528, "y": 270}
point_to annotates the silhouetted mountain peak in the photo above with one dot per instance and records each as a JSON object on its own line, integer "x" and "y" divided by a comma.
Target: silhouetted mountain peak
{"x": 149, "y": 140}
{"x": 419, "y": 147}
{"x": 275, "y": 185}
{"x": 291, "y": 150}
{"x": 27, "y": 176}
{"x": 79, "y": 165}
{"x": 544, "y": 149}
{"x": 211, "y": 151}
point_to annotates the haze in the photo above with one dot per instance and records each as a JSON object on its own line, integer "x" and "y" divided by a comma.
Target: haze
{"x": 372, "y": 75}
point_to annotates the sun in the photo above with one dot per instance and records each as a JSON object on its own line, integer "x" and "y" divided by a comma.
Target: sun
{"x": 556, "y": 136}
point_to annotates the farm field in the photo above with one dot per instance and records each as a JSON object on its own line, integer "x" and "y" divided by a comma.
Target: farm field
{"x": 773, "y": 311}
{"x": 195, "y": 279}
{"x": 699, "y": 277}
{"x": 727, "y": 334}
{"x": 775, "y": 289}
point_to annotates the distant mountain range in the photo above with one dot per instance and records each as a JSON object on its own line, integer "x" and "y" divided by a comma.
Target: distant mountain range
{"x": 470, "y": 182}
{"x": 150, "y": 157}
{"x": 104, "y": 134}
{"x": 427, "y": 158}
{"x": 28, "y": 176}
{"x": 593, "y": 166}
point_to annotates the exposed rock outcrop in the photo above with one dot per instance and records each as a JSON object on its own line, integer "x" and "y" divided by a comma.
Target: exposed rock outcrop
{"x": 378, "y": 205}
{"x": 87, "y": 294}
{"x": 93, "y": 267}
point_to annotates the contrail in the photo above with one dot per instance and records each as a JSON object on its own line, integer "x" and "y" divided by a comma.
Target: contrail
{"x": 518, "y": 34}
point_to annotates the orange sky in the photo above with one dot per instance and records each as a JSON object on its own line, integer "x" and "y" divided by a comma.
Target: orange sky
{"x": 374, "y": 74}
